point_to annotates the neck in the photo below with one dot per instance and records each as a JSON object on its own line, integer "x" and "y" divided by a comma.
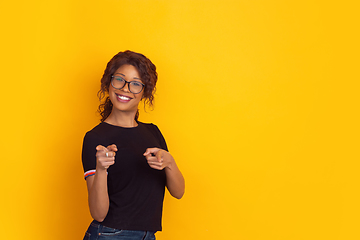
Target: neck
{"x": 123, "y": 119}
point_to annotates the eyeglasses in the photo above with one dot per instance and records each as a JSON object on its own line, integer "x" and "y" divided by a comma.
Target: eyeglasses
{"x": 134, "y": 86}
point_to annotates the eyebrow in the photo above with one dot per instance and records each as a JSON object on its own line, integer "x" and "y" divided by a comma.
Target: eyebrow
{"x": 125, "y": 76}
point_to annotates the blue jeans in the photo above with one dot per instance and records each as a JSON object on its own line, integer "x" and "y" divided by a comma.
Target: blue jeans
{"x": 96, "y": 231}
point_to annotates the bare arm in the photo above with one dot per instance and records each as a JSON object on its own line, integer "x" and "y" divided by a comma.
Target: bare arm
{"x": 98, "y": 196}
{"x": 175, "y": 182}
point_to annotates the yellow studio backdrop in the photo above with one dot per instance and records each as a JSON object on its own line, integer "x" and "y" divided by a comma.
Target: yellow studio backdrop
{"x": 258, "y": 102}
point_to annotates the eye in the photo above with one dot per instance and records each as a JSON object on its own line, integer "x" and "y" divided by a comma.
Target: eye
{"x": 136, "y": 84}
{"x": 120, "y": 79}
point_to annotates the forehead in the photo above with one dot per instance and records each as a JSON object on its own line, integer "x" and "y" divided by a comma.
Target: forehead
{"x": 129, "y": 71}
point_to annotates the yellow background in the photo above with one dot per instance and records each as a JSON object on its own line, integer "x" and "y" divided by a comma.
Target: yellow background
{"x": 258, "y": 102}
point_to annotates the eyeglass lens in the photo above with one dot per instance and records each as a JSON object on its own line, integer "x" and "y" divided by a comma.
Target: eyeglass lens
{"x": 119, "y": 83}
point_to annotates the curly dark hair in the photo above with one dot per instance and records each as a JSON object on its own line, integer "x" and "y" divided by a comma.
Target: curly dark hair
{"x": 148, "y": 75}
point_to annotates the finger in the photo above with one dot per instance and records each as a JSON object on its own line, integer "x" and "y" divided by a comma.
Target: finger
{"x": 105, "y": 158}
{"x": 159, "y": 156}
{"x": 110, "y": 154}
{"x": 105, "y": 162}
{"x": 151, "y": 150}
{"x": 156, "y": 163}
{"x": 150, "y": 158}
{"x": 108, "y": 164}
{"x": 101, "y": 151}
{"x": 101, "y": 148}
{"x": 155, "y": 158}
{"x": 112, "y": 147}
{"x": 156, "y": 167}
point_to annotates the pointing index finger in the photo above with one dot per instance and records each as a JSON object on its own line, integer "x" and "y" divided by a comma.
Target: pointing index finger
{"x": 151, "y": 150}
{"x": 112, "y": 147}
{"x": 101, "y": 148}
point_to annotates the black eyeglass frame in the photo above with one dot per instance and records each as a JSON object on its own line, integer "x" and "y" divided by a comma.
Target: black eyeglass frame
{"x": 128, "y": 83}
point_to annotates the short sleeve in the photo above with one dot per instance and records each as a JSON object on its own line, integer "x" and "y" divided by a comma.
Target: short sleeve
{"x": 161, "y": 138}
{"x": 91, "y": 141}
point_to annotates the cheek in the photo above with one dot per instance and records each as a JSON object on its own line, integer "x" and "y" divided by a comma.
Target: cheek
{"x": 140, "y": 95}
{"x": 112, "y": 95}
{"x": 143, "y": 94}
{"x": 110, "y": 89}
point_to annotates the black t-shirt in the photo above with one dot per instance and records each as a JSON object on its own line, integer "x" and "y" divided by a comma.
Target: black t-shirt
{"x": 136, "y": 191}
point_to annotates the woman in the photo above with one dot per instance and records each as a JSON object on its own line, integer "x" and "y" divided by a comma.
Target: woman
{"x": 126, "y": 162}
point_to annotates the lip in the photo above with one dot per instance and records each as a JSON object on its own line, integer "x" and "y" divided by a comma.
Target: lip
{"x": 122, "y": 100}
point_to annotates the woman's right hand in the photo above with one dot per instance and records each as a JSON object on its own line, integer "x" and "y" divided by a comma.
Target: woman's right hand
{"x": 105, "y": 156}
{"x": 97, "y": 184}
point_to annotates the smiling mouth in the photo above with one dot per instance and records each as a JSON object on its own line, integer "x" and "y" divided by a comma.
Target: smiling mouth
{"x": 122, "y": 97}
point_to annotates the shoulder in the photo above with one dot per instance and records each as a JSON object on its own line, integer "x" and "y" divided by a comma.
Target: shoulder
{"x": 96, "y": 132}
{"x": 99, "y": 128}
{"x": 150, "y": 126}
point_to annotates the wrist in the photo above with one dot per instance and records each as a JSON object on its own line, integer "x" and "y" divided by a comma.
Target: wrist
{"x": 171, "y": 165}
{"x": 100, "y": 169}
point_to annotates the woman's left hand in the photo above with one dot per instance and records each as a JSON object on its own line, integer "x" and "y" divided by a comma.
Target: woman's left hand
{"x": 158, "y": 158}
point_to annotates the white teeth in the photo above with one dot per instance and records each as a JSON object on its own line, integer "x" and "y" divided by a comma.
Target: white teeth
{"x": 123, "y": 98}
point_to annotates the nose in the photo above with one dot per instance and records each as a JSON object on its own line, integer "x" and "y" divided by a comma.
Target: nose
{"x": 126, "y": 87}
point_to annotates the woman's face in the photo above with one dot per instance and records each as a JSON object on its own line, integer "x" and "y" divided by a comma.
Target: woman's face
{"x": 122, "y": 99}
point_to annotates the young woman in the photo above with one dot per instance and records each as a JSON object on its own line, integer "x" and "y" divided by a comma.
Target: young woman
{"x": 126, "y": 162}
